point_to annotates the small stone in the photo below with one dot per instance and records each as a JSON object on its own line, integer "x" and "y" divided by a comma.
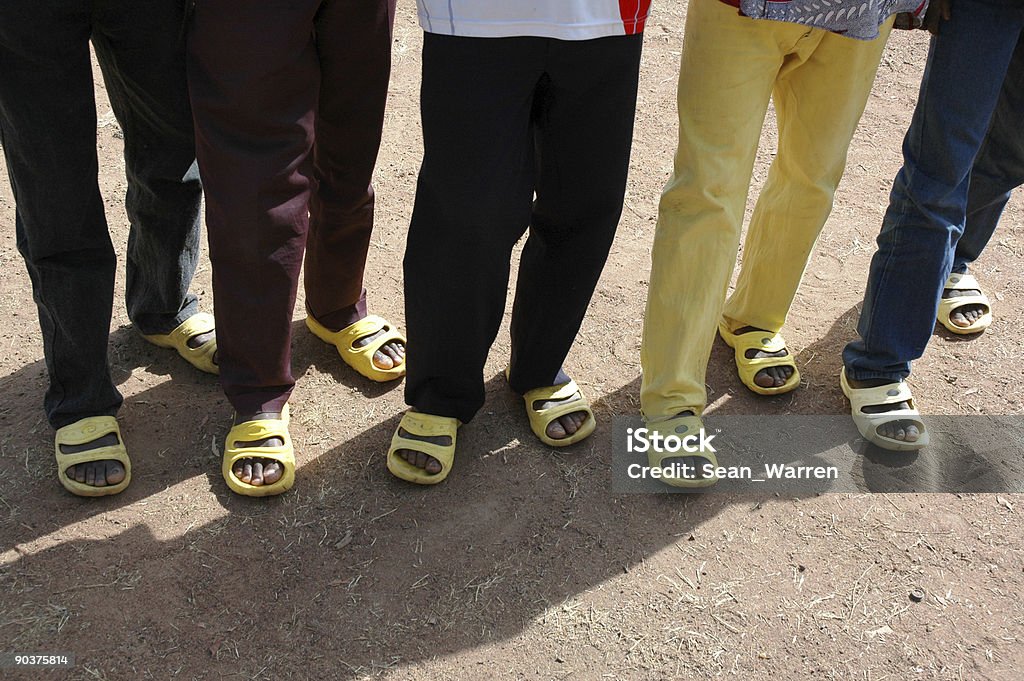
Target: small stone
{"x": 917, "y": 594}
{"x": 344, "y": 541}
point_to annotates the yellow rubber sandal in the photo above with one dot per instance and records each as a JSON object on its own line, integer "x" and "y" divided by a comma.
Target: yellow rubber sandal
{"x": 361, "y": 359}
{"x": 196, "y": 325}
{"x": 254, "y": 431}
{"x": 423, "y": 425}
{"x": 680, "y": 426}
{"x": 747, "y": 368}
{"x": 84, "y": 431}
{"x": 540, "y": 419}
{"x": 868, "y": 424}
{"x": 947, "y": 306}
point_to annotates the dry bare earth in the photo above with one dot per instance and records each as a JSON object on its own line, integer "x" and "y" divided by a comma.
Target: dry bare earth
{"x": 522, "y": 565}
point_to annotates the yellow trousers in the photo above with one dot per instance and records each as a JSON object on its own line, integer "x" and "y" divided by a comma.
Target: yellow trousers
{"x": 731, "y": 66}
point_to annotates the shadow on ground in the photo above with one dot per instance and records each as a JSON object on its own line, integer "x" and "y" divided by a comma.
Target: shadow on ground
{"x": 352, "y": 571}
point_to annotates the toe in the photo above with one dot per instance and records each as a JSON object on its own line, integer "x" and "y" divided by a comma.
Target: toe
{"x": 79, "y": 473}
{"x": 257, "y": 473}
{"x": 433, "y": 466}
{"x": 555, "y": 430}
{"x": 569, "y": 424}
{"x": 272, "y": 472}
{"x": 115, "y": 473}
{"x": 393, "y": 352}
{"x": 383, "y": 361}
{"x": 764, "y": 379}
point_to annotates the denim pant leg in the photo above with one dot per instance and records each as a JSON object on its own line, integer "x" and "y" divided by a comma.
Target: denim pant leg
{"x": 967, "y": 64}
{"x": 999, "y": 168}
{"x": 48, "y": 133}
{"x": 141, "y": 49}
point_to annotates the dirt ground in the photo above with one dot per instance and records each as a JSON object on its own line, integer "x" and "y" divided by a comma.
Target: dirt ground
{"x": 523, "y": 564}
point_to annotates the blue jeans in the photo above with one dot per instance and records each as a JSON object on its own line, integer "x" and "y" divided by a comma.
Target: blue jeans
{"x": 48, "y": 133}
{"x": 975, "y": 63}
{"x": 999, "y": 168}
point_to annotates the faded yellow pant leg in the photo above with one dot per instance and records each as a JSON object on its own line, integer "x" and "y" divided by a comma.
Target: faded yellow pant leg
{"x": 819, "y": 98}
{"x": 728, "y": 68}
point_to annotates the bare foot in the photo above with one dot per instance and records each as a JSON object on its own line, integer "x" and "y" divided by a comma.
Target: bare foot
{"x": 103, "y": 473}
{"x": 427, "y": 463}
{"x": 563, "y": 426}
{"x": 257, "y": 471}
{"x": 390, "y": 355}
{"x": 904, "y": 431}
{"x": 769, "y": 377}
{"x": 964, "y": 315}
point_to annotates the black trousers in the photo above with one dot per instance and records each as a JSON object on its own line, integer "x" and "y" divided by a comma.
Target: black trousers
{"x": 48, "y": 134}
{"x": 518, "y": 133}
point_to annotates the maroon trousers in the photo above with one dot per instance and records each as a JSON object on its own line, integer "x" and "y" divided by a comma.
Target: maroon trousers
{"x": 288, "y": 100}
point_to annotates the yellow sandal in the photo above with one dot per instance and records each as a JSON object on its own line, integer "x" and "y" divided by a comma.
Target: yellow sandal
{"x": 540, "y": 419}
{"x": 423, "y": 425}
{"x": 947, "y": 306}
{"x": 680, "y": 426}
{"x": 747, "y": 368}
{"x": 254, "y": 431}
{"x": 361, "y": 359}
{"x": 84, "y": 431}
{"x": 196, "y": 325}
{"x": 868, "y": 424}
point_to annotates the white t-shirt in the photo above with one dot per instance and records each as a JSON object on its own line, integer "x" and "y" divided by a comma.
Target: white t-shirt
{"x": 563, "y": 19}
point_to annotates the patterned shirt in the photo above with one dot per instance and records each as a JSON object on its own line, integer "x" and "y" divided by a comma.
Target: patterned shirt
{"x": 564, "y": 19}
{"x": 853, "y": 18}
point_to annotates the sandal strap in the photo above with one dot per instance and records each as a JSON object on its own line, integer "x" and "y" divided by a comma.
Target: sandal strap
{"x": 563, "y": 393}
{"x": 962, "y": 282}
{"x": 758, "y": 340}
{"x": 429, "y": 425}
{"x": 261, "y": 429}
{"x": 763, "y": 341}
{"x": 680, "y": 426}
{"x": 367, "y": 326}
{"x": 196, "y": 325}
{"x": 88, "y": 429}
{"x": 879, "y": 396}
